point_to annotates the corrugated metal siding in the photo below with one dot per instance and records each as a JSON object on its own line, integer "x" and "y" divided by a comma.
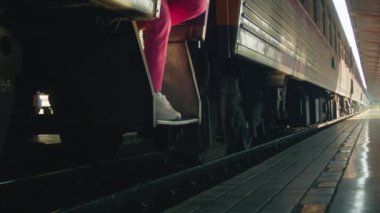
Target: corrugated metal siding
{"x": 279, "y": 34}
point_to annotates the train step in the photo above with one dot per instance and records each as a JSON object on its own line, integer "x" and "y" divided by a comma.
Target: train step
{"x": 184, "y": 121}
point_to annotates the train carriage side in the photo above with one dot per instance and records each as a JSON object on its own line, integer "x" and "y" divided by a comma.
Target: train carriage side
{"x": 304, "y": 43}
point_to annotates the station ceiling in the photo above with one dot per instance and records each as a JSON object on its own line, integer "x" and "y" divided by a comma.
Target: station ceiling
{"x": 365, "y": 18}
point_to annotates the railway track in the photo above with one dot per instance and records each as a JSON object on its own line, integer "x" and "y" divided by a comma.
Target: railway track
{"x": 50, "y": 191}
{"x": 145, "y": 183}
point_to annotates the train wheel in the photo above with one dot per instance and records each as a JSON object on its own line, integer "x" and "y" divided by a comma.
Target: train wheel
{"x": 236, "y": 128}
{"x": 256, "y": 124}
{"x": 206, "y": 122}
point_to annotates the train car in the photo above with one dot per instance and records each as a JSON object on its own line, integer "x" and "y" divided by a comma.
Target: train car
{"x": 283, "y": 63}
{"x": 241, "y": 74}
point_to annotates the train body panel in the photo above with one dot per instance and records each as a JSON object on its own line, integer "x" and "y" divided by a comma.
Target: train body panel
{"x": 131, "y": 9}
{"x": 282, "y": 36}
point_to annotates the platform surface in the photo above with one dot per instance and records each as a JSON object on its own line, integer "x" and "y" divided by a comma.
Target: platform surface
{"x": 336, "y": 170}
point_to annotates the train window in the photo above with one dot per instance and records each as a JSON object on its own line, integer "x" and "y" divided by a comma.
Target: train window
{"x": 315, "y": 16}
{"x": 333, "y": 63}
{"x": 303, "y": 3}
{"x": 352, "y": 87}
{"x": 343, "y": 52}
{"x": 345, "y": 55}
{"x": 351, "y": 61}
{"x": 335, "y": 40}
{"x": 315, "y": 11}
{"x": 328, "y": 33}
{"x": 338, "y": 45}
{"x": 322, "y": 15}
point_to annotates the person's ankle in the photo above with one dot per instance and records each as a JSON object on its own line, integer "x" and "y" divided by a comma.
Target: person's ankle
{"x": 164, "y": 110}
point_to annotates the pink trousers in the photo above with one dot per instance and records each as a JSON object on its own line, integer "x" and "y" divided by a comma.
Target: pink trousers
{"x": 157, "y": 33}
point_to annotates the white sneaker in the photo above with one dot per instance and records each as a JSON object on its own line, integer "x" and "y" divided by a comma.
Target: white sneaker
{"x": 164, "y": 110}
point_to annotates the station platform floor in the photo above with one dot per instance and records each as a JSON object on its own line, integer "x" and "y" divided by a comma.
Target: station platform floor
{"x": 335, "y": 170}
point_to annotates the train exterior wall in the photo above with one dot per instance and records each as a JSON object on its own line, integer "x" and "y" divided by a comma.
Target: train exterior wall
{"x": 281, "y": 34}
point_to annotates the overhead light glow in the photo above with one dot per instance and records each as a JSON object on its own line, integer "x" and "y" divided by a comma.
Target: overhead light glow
{"x": 341, "y": 8}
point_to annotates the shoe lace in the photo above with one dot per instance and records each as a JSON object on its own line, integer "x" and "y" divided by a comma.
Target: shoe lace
{"x": 164, "y": 101}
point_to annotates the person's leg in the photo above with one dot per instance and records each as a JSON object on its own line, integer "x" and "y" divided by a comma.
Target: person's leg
{"x": 156, "y": 43}
{"x": 157, "y": 33}
{"x": 183, "y": 10}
